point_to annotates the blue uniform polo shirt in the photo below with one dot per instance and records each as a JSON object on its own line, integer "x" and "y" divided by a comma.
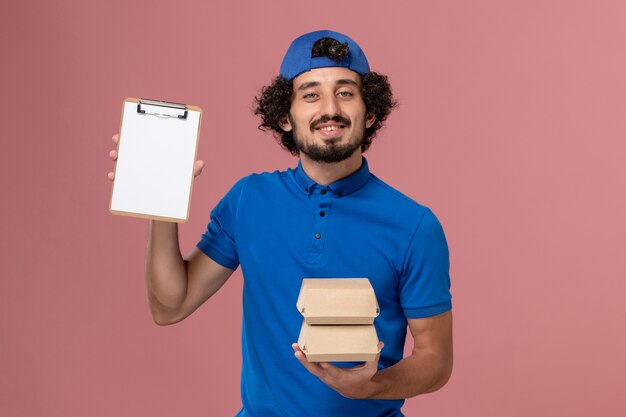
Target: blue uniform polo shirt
{"x": 282, "y": 227}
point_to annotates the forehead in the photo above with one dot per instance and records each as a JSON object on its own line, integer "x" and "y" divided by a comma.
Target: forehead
{"x": 326, "y": 76}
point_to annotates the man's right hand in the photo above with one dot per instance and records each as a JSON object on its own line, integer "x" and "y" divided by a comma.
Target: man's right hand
{"x": 197, "y": 166}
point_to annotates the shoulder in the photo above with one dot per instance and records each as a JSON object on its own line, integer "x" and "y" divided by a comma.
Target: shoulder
{"x": 405, "y": 208}
{"x": 262, "y": 178}
{"x": 258, "y": 182}
{"x": 398, "y": 200}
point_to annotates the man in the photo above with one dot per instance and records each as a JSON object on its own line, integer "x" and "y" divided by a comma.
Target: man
{"x": 329, "y": 217}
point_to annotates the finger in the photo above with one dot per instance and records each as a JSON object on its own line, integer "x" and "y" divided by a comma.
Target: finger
{"x": 380, "y": 346}
{"x": 374, "y": 364}
{"x": 111, "y": 176}
{"x": 197, "y": 167}
{"x": 331, "y": 370}
{"x": 115, "y": 138}
{"x": 312, "y": 367}
{"x": 370, "y": 366}
{"x": 113, "y": 155}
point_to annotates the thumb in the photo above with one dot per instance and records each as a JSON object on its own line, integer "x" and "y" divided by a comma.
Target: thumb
{"x": 197, "y": 168}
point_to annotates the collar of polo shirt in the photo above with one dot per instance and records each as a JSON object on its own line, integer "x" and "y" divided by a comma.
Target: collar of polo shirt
{"x": 343, "y": 187}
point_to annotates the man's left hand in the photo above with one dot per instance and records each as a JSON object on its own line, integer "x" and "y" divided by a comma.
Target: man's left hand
{"x": 355, "y": 383}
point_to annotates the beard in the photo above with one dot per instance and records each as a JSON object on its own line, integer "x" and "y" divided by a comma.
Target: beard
{"x": 331, "y": 152}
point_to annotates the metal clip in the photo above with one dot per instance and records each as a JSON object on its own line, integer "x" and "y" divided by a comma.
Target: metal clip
{"x": 166, "y": 109}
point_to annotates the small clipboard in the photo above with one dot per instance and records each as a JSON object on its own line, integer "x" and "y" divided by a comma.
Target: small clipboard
{"x": 158, "y": 143}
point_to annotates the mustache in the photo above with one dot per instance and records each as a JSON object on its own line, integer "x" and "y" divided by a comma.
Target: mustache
{"x": 326, "y": 119}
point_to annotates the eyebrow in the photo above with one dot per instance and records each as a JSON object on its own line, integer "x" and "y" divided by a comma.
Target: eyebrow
{"x": 342, "y": 81}
{"x": 310, "y": 84}
{"x": 347, "y": 81}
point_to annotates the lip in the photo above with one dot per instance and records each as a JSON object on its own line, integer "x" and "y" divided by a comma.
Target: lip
{"x": 331, "y": 130}
{"x": 329, "y": 124}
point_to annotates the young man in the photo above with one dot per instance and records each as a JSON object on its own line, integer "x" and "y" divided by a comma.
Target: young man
{"x": 329, "y": 217}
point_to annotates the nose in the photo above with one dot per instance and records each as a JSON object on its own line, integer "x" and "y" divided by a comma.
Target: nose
{"x": 330, "y": 105}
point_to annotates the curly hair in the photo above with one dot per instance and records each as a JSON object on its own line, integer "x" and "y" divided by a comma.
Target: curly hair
{"x": 331, "y": 48}
{"x": 274, "y": 101}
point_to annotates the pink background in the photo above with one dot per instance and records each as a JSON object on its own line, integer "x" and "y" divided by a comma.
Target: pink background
{"x": 511, "y": 127}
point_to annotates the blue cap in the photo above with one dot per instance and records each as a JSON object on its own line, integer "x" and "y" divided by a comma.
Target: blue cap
{"x": 298, "y": 58}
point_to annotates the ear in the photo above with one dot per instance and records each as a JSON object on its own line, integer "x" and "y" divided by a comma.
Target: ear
{"x": 285, "y": 124}
{"x": 369, "y": 121}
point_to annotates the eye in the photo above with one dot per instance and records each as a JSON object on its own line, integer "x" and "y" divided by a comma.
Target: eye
{"x": 309, "y": 96}
{"x": 345, "y": 94}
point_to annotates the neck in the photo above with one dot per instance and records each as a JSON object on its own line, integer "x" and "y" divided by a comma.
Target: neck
{"x": 325, "y": 173}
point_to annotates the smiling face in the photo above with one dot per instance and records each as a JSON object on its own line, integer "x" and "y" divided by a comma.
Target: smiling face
{"x": 327, "y": 115}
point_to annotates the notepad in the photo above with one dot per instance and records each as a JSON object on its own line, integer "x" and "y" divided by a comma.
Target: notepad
{"x": 157, "y": 148}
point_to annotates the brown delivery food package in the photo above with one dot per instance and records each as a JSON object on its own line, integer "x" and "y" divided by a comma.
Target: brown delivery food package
{"x": 338, "y": 319}
{"x": 337, "y": 301}
{"x": 338, "y": 343}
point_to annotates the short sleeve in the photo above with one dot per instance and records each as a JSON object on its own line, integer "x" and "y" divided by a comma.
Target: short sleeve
{"x": 218, "y": 242}
{"x": 425, "y": 279}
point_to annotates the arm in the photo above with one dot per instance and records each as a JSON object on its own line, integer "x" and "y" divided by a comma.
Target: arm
{"x": 427, "y": 369}
{"x": 429, "y": 366}
{"x": 177, "y": 287}
{"x": 424, "y": 283}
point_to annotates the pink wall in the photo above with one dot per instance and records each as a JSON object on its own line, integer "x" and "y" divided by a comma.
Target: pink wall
{"x": 511, "y": 127}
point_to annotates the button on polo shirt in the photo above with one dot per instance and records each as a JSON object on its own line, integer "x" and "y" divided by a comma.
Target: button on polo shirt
{"x": 272, "y": 225}
{"x": 321, "y": 198}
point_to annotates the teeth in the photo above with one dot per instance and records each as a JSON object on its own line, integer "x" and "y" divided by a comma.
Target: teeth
{"x": 329, "y": 128}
